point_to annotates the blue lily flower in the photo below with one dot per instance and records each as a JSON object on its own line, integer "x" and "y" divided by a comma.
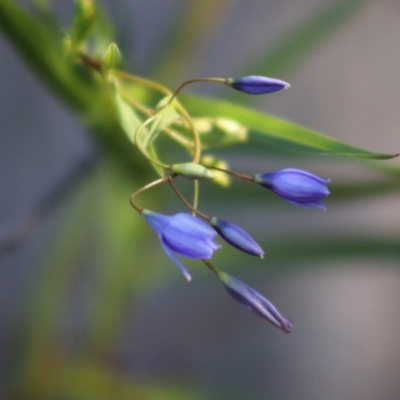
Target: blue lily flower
{"x": 237, "y": 237}
{"x": 184, "y": 235}
{"x": 296, "y": 186}
{"x": 255, "y": 84}
{"x": 255, "y": 302}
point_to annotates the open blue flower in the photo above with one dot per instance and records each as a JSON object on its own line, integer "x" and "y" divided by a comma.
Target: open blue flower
{"x": 184, "y": 235}
{"x": 254, "y": 84}
{"x": 296, "y": 186}
{"x": 237, "y": 237}
{"x": 255, "y": 302}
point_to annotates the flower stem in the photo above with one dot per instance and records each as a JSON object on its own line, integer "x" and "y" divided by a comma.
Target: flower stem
{"x": 234, "y": 174}
{"x": 185, "y": 202}
{"x": 181, "y": 109}
{"x": 196, "y": 137}
{"x": 142, "y": 189}
{"x": 211, "y": 267}
{"x": 142, "y": 81}
{"x": 195, "y": 194}
{"x": 142, "y": 150}
{"x": 190, "y": 81}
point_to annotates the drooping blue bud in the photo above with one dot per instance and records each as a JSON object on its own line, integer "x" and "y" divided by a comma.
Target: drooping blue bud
{"x": 182, "y": 234}
{"x": 255, "y": 302}
{"x": 255, "y": 84}
{"x": 237, "y": 237}
{"x": 296, "y": 186}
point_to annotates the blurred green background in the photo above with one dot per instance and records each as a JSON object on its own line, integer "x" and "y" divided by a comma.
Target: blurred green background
{"x": 91, "y": 308}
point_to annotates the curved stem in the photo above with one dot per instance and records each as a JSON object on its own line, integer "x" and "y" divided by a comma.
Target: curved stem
{"x": 180, "y": 139}
{"x": 148, "y": 112}
{"x": 142, "y": 150}
{"x": 185, "y": 202}
{"x": 196, "y": 137}
{"x": 142, "y": 189}
{"x": 165, "y": 91}
{"x": 142, "y": 81}
{"x": 195, "y": 80}
{"x": 235, "y": 174}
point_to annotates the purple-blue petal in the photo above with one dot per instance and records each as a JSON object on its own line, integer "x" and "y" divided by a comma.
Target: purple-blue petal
{"x": 255, "y": 84}
{"x": 184, "y": 235}
{"x": 255, "y": 302}
{"x": 189, "y": 236}
{"x": 237, "y": 237}
{"x": 156, "y": 220}
{"x": 296, "y": 186}
{"x": 189, "y": 246}
{"x": 189, "y": 223}
{"x": 175, "y": 261}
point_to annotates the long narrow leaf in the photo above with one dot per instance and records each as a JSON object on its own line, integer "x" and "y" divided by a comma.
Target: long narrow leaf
{"x": 267, "y": 128}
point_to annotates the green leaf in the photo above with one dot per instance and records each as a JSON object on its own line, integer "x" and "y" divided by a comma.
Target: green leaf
{"x": 130, "y": 123}
{"x": 128, "y": 119}
{"x": 162, "y": 120}
{"x": 266, "y": 129}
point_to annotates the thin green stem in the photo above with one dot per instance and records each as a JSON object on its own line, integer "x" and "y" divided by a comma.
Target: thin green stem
{"x": 185, "y": 202}
{"x": 148, "y": 112}
{"x": 142, "y": 81}
{"x": 235, "y": 174}
{"x": 142, "y": 189}
{"x": 195, "y": 80}
{"x": 142, "y": 150}
{"x": 180, "y": 139}
{"x": 211, "y": 267}
{"x": 196, "y": 137}
{"x": 195, "y": 194}
{"x": 181, "y": 109}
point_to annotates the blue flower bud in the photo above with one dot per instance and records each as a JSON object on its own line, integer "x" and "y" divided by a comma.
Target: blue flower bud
{"x": 184, "y": 235}
{"x": 237, "y": 237}
{"x": 254, "y": 84}
{"x": 296, "y": 186}
{"x": 255, "y": 302}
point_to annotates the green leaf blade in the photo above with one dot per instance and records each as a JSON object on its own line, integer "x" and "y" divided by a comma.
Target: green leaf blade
{"x": 268, "y": 128}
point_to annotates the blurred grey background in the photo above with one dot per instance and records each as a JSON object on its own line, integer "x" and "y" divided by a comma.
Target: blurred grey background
{"x": 345, "y": 344}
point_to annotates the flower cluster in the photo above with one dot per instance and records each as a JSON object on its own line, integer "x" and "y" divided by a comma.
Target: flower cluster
{"x": 193, "y": 235}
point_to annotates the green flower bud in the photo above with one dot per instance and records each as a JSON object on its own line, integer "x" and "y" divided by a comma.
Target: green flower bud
{"x": 219, "y": 132}
{"x": 112, "y": 57}
{"x": 220, "y": 178}
{"x": 192, "y": 171}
